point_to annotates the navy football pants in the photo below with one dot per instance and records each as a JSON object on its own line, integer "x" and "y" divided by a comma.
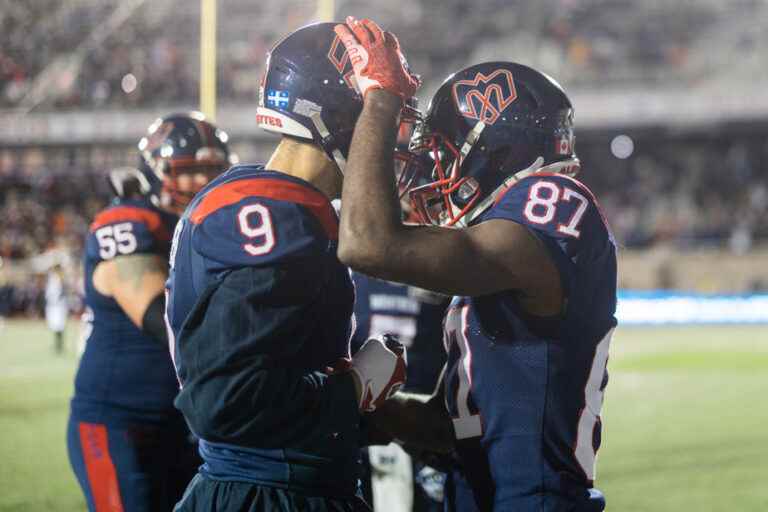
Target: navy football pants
{"x": 136, "y": 468}
{"x": 459, "y": 498}
{"x": 208, "y": 495}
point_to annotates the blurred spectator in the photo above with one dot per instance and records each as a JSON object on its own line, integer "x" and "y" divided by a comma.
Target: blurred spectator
{"x": 711, "y": 191}
{"x": 685, "y": 191}
{"x": 708, "y": 189}
{"x": 43, "y": 212}
{"x": 56, "y": 306}
{"x": 151, "y": 57}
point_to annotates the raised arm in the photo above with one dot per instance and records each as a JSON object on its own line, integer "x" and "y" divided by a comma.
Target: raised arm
{"x": 492, "y": 256}
{"x": 486, "y": 258}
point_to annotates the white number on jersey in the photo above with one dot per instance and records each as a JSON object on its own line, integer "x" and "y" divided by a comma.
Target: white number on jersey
{"x": 466, "y": 424}
{"x": 256, "y": 228}
{"x": 175, "y": 243}
{"x": 547, "y": 206}
{"x": 117, "y": 239}
{"x": 404, "y": 327}
{"x": 86, "y": 328}
{"x": 593, "y": 403}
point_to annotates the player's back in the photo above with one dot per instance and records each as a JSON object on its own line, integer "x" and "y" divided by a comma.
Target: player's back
{"x": 123, "y": 373}
{"x": 258, "y": 306}
{"x": 525, "y": 392}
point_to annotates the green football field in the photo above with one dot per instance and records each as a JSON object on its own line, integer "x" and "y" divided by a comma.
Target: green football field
{"x": 686, "y": 420}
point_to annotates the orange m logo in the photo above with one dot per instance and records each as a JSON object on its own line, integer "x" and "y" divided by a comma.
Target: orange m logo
{"x": 485, "y": 97}
{"x": 339, "y": 57}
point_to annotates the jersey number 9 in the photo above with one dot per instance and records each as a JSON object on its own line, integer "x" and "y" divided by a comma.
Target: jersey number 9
{"x": 255, "y": 222}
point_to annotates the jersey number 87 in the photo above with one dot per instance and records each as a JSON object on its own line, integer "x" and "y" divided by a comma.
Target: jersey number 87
{"x": 542, "y": 208}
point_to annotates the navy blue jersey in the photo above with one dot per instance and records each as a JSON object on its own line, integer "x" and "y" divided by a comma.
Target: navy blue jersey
{"x": 525, "y": 392}
{"x": 414, "y": 315}
{"x": 258, "y": 306}
{"x": 124, "y": 373}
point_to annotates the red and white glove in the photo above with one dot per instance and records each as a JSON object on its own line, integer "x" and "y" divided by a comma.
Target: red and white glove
{"x": 376, "y": 58}
{"x": 380, "y": 366}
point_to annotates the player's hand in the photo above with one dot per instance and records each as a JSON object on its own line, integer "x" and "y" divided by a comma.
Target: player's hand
{"x": 376, "y": 58}
{"x": 379, "y": 367}
{"x": 341, "y": 365}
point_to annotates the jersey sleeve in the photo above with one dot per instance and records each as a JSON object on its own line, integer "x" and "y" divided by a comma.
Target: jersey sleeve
{"x": 232, "y": 231}
{"x": 125, "y": 230}
{"x": 560, "y": 211}
{"x": 564, "y": 215}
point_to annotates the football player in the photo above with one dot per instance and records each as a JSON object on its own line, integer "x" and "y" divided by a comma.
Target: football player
{"x": 129, "y": 447}
{"x": 396, "y": 481}
{"x": 524, "y": 249}
{"x": 260, "y": 308}
{"x": 56, "y": 305}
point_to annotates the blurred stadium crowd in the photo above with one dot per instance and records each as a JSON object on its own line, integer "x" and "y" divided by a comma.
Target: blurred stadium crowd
{"x": 97, "y": 53}
{"x": 682, "y": 196}
{"x": 705, "y": 189}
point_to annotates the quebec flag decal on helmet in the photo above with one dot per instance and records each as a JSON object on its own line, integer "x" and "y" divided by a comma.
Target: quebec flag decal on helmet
{"x": 308, "y": 90}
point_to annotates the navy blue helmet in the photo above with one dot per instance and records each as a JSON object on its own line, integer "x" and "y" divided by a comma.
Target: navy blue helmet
{"x": 179, "y": 155}
{"x": 309, "y": 91}
{"x": 486, "y": 127}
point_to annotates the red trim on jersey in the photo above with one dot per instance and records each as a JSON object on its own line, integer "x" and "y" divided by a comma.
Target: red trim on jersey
{"x": 281, "y": 190}
{"x": 132, "y": 214}
{"x": 102, "y": 477}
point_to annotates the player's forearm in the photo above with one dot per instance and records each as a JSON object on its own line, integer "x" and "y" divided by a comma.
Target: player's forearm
{"x": 415, "y": 420}
{"x": 370, "y": 213}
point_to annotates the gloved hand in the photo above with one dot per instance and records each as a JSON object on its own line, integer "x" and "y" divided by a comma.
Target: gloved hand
{"x": 379, "y": 367}
{"x": 376, "y": 58}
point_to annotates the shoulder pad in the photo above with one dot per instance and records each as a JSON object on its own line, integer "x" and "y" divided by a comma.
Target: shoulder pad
{"x": 554, "y": 204}
{"x": 124, "y": 229}
{"x": 257, "y": 221}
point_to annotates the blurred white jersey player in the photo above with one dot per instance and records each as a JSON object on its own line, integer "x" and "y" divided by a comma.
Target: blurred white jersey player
{"x": 56, "y": 306}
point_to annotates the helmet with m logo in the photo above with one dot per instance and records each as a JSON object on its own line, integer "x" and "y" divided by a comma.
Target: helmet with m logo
{"x": 486, "y": 127}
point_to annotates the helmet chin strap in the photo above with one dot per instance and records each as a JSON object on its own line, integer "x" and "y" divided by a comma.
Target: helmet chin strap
{"x": 323, "y": 131}
{"x": 469, "y": 143}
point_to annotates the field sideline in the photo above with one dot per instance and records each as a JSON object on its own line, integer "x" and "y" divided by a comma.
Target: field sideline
{"x": 686, "y": 420}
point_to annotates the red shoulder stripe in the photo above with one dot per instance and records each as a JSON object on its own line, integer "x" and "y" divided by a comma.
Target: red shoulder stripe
{"x": 235, "y": 191}
{"x": 99, "y": 467}
{"x": 132, "y": 214}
